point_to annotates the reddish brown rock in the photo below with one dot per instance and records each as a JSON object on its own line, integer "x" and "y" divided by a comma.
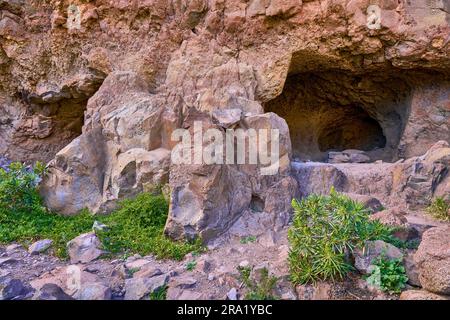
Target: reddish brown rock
{"x": 421, "y": 295}
{"x": 433, "y": 260}
{"x": 100, "y": 88}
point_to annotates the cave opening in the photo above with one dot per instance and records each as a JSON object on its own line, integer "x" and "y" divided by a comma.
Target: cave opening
{"x": 334, "y": 110}
{"x": 349, "y": 128}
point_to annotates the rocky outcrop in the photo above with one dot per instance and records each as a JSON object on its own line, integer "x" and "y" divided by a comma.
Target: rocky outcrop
{"x": 413, "y": 182}
{"x": 80, "y": 76}
{"x": 433, "y": 260}
{"x": 120, "y": 153}
{"x": 84, "y": 248}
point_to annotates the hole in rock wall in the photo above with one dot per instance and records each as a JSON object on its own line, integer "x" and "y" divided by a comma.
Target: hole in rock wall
{"x": 257, "y": 204}
{"x": 349, "y": 128}
{"x": 333, "y": 110}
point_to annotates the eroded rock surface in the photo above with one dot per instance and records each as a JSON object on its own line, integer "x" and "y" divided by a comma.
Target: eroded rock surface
{"x": 433, "y": 260}
{"x": 100, "y": 88}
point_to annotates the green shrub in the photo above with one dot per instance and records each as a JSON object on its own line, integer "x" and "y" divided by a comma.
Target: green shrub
{"x": 28, "y": 226}
{"x": 23, "y": 217}
{"x": 325, "y": 230}
{"x": 19, "y": 187}
{"x": 439, "y": 209}
{"x": 261, "y": 289}
{"x": 388, "y": 275}
{"x": 138, "y": 225}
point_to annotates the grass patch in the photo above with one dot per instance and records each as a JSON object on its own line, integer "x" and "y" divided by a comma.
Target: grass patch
{"x": 159, "y": 294}
{"x": 24, "y": 219}
{"x": 190, "y": 266}
{"x": 439, "y": 209}
{"x": 388, "y": 275}
{"x": 136, "y": 226}
{"x": 261, "y": 288}
{"x": 326, "y": 229}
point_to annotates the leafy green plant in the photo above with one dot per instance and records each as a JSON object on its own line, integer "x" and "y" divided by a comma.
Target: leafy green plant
{"x": 159, "y": 294}
{"x": 258, "y": 289}
{"x": 439, "y": 209}
{"x": 24, "y": 219}
{"x": 19, "y": 187}
{"x": 248, "y": 239}
{"x": 325, "y": 230}
{"x": 388, "y": 275}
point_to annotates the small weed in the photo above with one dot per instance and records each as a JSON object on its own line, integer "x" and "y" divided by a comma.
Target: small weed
{"x": 439, "y": 209}
{"x": 261, "y": 289}
{"x": 388, "y": 275}
{"x": 132, "y": 271}
{"x": 190, "y": 266}
{"x": 249, "y": 239}
{"x": 159, "y": 294}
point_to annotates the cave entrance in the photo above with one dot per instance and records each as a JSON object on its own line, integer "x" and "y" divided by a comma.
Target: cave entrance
{"x": 336, "y": 111}
{"x": 350, "y": 127}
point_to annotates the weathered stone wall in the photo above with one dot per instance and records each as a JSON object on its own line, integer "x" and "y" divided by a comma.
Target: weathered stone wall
{"x": 150, "y": 66}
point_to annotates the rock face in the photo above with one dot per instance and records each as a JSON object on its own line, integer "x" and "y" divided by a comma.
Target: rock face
{"x": 79, "y": 90}
{"x": 433, "y": 260}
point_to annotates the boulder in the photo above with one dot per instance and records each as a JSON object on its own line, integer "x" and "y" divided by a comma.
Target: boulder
{"x": 433, "y": 260}
{"x": 74, "y": 281}
{"x": 421, "y": 295}
{"x": 94, "y": 291}
{"x": 13, "y": 289}
{"x": 348, "y": 156}
{"x": 318, "y": 178}
{"x": 7, "y": 261}
{"x": 51, "y": 291}
{"x": 97, "y": 169}
{"x": 180, "y": 294}
{"x": 84, "y": 248}
{"x": 12, "y": 248}
{"x": 391, "y": 217}
{"x": 411, "y": 269}
{"x": 141, "y": 288}
{"x": 372, "y": 250}
{"x": 318, "y": 291}
{"x": 183, "y": 282}
{"x": 40, "y": 246}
